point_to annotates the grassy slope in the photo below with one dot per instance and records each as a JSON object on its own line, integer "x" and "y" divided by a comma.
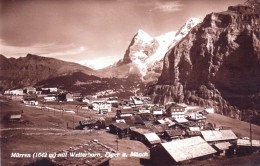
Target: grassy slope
{"x": 240, "y": 128}
{"x": 17, "y": 141}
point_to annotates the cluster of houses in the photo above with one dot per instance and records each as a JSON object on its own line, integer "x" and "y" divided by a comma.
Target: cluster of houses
{"x": 31, "y": 90}
{"x": 173, "y": 134}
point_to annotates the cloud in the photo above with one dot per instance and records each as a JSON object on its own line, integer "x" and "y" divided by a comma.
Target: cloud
{"x": 47, "y": 50}
{"x": 69, "y": 52}
{"x": 167, "y": 6}
{"x": 99, "y": 63}
{"x": 74, "y": 51}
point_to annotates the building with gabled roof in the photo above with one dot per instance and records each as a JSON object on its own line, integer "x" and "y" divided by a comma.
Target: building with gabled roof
{"x": 175, "y": 111}
{"x": 224, "y": 148}
{"x": 247, "y": 142}
{"x": 178, "y": 151}
{"x": 125, "y": 112}
{"x": 152, "y": 139}
{"x": 173, "y": 134}
{"x": 245, "y": 146}
{"x": 15, "y": 117}
{"x": 138, "y": 133}
{"x": 158, "y": 129}
{"x": 69, "y": 97}
{"x": 121, "y": 129}
{"x": 218, "y": 135}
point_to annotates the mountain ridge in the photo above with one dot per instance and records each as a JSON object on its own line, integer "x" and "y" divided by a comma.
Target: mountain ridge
{"x": 26, "y": 71}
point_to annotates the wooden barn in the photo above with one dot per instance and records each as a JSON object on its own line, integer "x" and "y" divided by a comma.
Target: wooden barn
{"x": 121, "y": 129}
{"x": 177, "y": 152}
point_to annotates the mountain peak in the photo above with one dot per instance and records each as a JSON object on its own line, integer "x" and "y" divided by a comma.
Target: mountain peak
{"x": 191, "y": 22}
{"x": 140, "y": 31}
{"x": 31, "y": 56}
{"x": 141, "y": 35}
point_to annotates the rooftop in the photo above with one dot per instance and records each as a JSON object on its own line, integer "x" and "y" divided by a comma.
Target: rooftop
{"x": 120, "y": 125}
{"x": 185, "y": 149}
{"x": 246, "y": 142}
{"x": 152, "y": 138}
{"x": 18, "y": 116}
{"x": 218, "y": 135}
{"x": 172, "y": 133}
{"x": 140, "y": 130}
{"x": 223, "y": 145}
{"x": 181, "y": 120}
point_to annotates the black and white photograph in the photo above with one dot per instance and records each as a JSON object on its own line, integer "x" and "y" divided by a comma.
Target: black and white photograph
{"x": 129, "y": 82}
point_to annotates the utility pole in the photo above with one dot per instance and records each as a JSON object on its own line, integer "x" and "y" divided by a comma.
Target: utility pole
{"x": 251, "y": 132}
{"x": 73, "y": 122}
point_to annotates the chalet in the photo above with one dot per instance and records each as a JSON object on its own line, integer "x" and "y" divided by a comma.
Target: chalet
{"x": 86, "y": 100}
{"x": 193, "y": 131}
{"x": 136, "y": 101}
{"x": 247, "y": 142}
{"x": 199, "y": 119}
{"x": 69, "y": 97}
{"x": 30, "y": 99}
{"x": 123, "y": 103}
{"x": 107, "y": 121}
{"x": 124, "y": 112}
{"x": 177, "y": 152}
{"x": 224, "y": 148}
{"x": 15, "y": 117}
{"x": 247, "y": 146}
{"x": 158, "y": 113}
{"x": 89, "y": 123}
{"x": 142, "y": 111}
{"x": 181, "y": 120}
{"x": 102, "y": 106}
{"x": 14, "y": 92}
{"x": 49, "y": 98}
{"x": 134, "y": 120}
{"x": 185, "y": 125}
{"x": 121, "y": 129}
{"x": 158, "y": 129}
{"x": 151, "y": 139}
{"x": 175, "y": 111}
{"x": 49, "y": 90}
{"x": 77, "y": 97}
{"x": 165, "y": 121}
{"x": 216, "y": 136}
{"x": 120, "y": 120}
{"x": 147, "y": 117}
{"x": 29, "y": 90}
{"x": 112, "y": 100}
{"x": 146, "y": 100}
{"x": 173, "y": 134}
{"x": 138, "y": 134}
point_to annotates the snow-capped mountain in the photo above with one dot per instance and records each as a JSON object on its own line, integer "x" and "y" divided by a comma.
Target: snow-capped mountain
{"x": 144, "y": 56}
{"x": 146, "y": 53}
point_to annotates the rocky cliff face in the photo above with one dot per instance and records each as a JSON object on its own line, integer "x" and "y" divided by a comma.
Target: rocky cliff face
{"x": 217, "y": 64}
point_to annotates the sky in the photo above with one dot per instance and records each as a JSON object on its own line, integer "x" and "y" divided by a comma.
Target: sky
{"x": 95, "y": 32}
